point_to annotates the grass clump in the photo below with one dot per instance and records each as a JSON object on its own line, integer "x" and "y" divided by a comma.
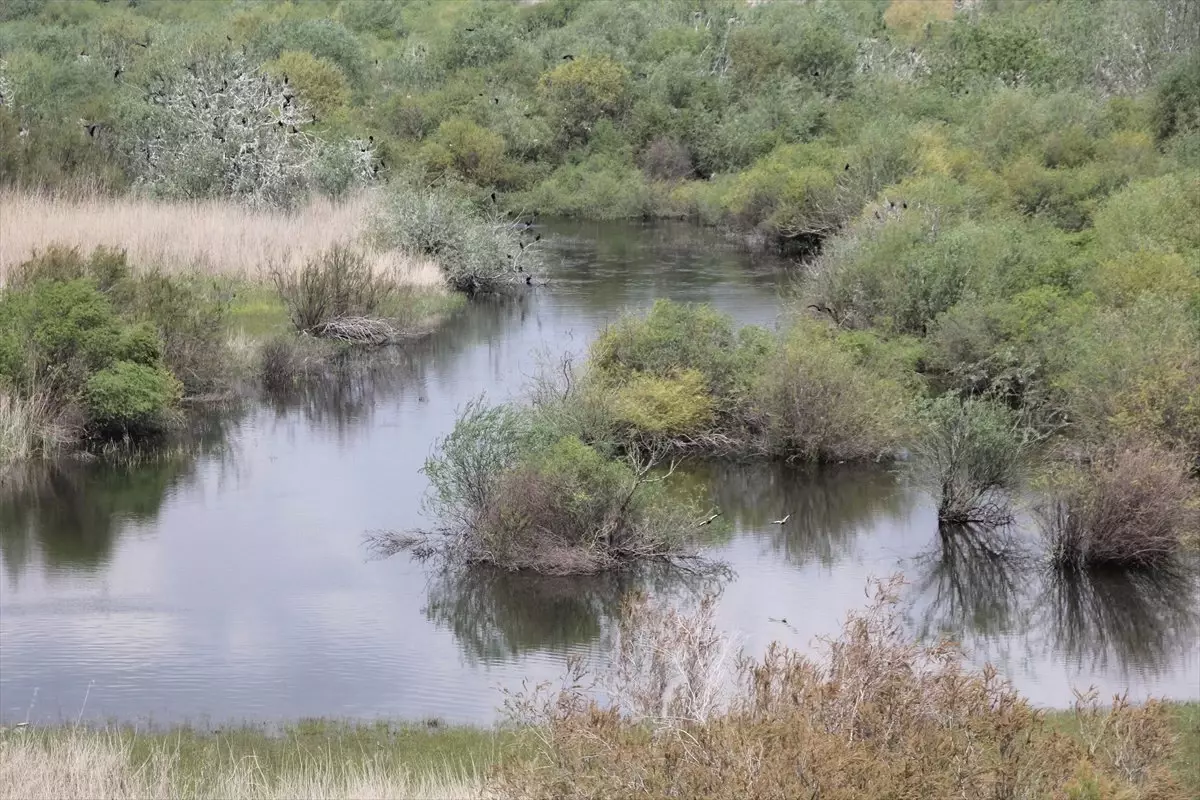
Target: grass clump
{"x": 875, "y": 715}
{"x": 515, "y": 493}
{"x": 972, "y": 456}
{"x": 1131, "y": 504}
{"x": 336, "y": 295}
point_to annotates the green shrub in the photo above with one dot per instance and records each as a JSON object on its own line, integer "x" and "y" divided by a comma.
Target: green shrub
{"x": 972, "y": 455}
{"x": 657, "y": 406}
{"x": 189, "y": 319}
{"x": 318, "y": 81}
{"x": 1177, "y": 99}
{"x": 676, "y": 337}
{"x": 583, "y": 91}
{"x": 467, "y": 149}
{"x": 128, "y": 399}
{"x": 814, "y": 401}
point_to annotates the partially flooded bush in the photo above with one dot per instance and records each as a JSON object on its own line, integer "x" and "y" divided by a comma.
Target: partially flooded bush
{"x": 1130, "y": 504}
{"x": 513, "y": 493}
{"x": 972, "y": 454}
{"x": 279, "y": 362}
{"x": 815, "y": 402}
{"x": 875, "y": 715}
{"x": 128, "y": 399}
{"x": 672, "y": 406}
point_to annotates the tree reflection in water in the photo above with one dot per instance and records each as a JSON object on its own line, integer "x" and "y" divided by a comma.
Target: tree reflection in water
{"x": 1137, "y": 620}
{"x": 989, "y": 587}
{"x": 498, "y": 616}
{"x": 971, "y": 579}
{"x": 829, "y": 507}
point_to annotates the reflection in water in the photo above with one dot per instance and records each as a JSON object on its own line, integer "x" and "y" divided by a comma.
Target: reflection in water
{"x": 829, "y": 507}
{"x": 1136, "y": 620}
{"x": 498, "y": 616}
{"x": 71, "y": 512}
{"x": 971, "y": 579}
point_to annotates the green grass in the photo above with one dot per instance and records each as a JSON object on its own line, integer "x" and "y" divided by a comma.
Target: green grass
{"x": 1185, "y": 718}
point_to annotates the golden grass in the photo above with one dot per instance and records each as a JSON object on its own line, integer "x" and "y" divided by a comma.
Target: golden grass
{"x": 83, "y": 764}
{"x": 211, "y": 236}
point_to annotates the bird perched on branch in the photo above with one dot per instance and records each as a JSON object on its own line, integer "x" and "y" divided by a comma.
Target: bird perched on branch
{"x": 710, "y": 519}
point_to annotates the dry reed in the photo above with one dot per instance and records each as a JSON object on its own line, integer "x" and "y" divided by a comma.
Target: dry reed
{"x": 83, "y": 764}
{"x": 214, "y": 237}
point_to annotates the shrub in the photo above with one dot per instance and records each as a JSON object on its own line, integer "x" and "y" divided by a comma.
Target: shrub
{"x": 874, "y": 715}
{"x": 477, "y": 252}
{"x": 676, "y": 337}
{"x": 972, "y": 454}
{"x": 279, "y": 361}
{"x": 655, "y": 406}
{"x": 317, "y": 80}
{"x": 1177, "y": 99}
{"x": 583, "y": 91}
{"x": 335, "y": 294}
{"x": 667, "y": 159}
{"x": 1129, "y": 504}
{"x": 128, "y": 399}
{"x": 187, "y": 323}
{"x": 515, "y": 495}
{"x": 471, "y": 151}
{"x": 815, "y": 402}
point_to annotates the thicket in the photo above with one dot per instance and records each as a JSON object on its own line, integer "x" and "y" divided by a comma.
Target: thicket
{"x": 683, "y": 713}
{"x": 780, "y": 118}
{"x": 90, "y": 350}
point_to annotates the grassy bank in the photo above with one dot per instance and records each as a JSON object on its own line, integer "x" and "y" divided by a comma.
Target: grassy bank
{"x": 315, "y": 758}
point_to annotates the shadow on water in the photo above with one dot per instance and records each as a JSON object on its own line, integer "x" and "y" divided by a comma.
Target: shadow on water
{"x": 498, "y": 616}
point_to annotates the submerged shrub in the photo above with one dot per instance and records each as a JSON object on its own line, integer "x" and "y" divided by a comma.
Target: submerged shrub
{"x": 971, "y": 455}
{"x": 1129, "y": 504}
{"x": 815, "y": 402}
{"x": 512, "y": 493}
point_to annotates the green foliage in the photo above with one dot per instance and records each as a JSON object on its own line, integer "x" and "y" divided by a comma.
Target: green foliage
{"x": 318, "y": 81}
{"x": 657, "y": 406}
{"x": 816, "y": 401}
{"x": 129, "y": 399}
{"x": 467, "y": 149}
{"x": 583, "y": 91}
{"x": 972, "y": 454}
{"x": 1177, "y": 99}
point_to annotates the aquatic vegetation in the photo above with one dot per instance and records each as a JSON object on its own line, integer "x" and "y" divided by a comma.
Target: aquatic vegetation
{"x": 683, "y": 713}
{"x": 1130, "y": 504}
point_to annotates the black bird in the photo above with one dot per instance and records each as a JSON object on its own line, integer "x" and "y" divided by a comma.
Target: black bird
{"x": 224, "y": 85}
{"x": 314, "y": 119}
{"x": 469, "y": 30}
{"x": 510, "y": 256}
{"x": 529, "y": 280}
{"x": 521, "y": 245}
{"x": 520, "y": 268}
{"x": 91, "y": 130}
{"x": 142, "y": 44}
{"x": 568, "y": 57}
{"x": 228, "y": 38}
{"x": 537, "y": 238}
{"x": 371, "y": 139}
{"x": 382, "y": 165}
{"x": 496, "y": 100}
{"x": 891, "y": 204}
{"x": 493, "y": 197}
{"x": 280, "y": 123}
{"x": 877, "y": 216}
{"x": 846, "y": 168}
{"x": 285, "y": 82}
{"x": 904, "y": 204}
{"x": 294, "y": 129}
{"x": 117, "y": 73}
{"x": 244, "y": 121}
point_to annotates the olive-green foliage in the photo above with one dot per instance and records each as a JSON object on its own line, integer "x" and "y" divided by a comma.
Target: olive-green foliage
{"x": 127, "y": 398}
{"x": 318, "y": 80}
{"x": 972, "y": 455}
{"x": 677, "y": 337}
{"x": 583, "y": 91}
{"x": 816, "y": 401}
{"x": 655, "y": 405}
{"x": 1177, "y": 99}
{"x": 471, "y": 151}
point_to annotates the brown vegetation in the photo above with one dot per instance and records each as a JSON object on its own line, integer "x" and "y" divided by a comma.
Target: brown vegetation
{"x": 1132, "y": 504}
{"x": 208, "y": 236}
{"x": 878, "y": 716}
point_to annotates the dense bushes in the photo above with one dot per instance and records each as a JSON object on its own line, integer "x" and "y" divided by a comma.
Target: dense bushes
{"x": 680, "y": 714}
{"x": 88, "y": 348}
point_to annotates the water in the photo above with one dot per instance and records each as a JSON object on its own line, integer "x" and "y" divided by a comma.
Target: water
{"x": 231, "y": 583}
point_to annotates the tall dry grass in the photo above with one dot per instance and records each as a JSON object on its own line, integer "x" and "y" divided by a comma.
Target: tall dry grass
{"x": 211, "y": 236}
{"x": 82, "y": 765}
{"x": 29, "y": 427}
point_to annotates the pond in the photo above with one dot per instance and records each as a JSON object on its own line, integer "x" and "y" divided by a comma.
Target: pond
{"x": 229, "y": 581}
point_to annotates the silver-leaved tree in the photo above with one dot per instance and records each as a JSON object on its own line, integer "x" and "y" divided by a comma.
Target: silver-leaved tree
{"x": 223, "y": 129}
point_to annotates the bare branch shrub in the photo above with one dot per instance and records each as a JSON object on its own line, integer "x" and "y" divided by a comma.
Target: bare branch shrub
{"x": 876, "y": 716}
{"x": 334, "y": 294}
{"x": 223, "y": 129}
{"x": 971, "y": 456}
{"x": 1131, "y": 504}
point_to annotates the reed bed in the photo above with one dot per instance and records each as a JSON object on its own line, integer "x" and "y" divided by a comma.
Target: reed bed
{"x": 212, "y": 237}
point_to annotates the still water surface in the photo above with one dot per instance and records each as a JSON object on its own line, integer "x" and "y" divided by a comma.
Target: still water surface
{"x": 233, "y": 585}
